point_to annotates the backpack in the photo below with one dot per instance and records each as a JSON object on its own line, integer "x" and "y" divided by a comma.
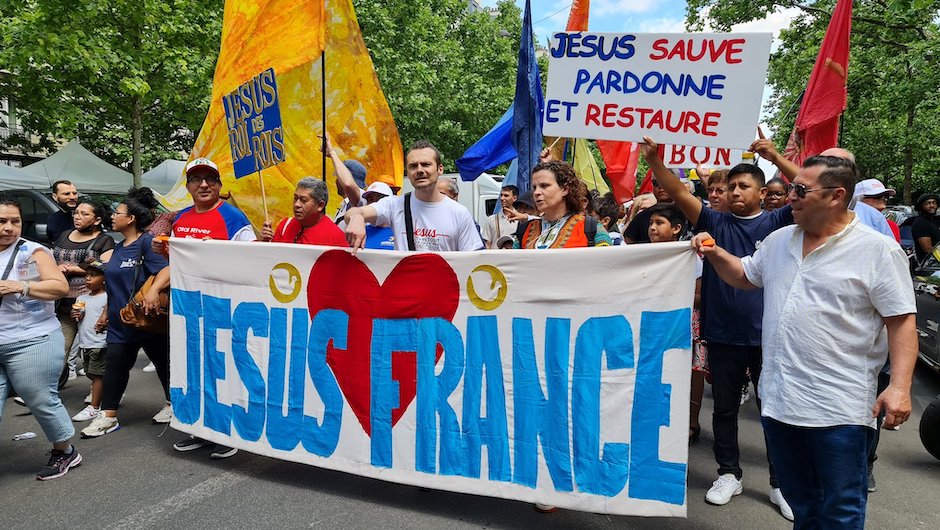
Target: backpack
{"x": 590, "y": 229}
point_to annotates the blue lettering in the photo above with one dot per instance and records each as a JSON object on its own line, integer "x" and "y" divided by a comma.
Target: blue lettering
{"x": 321, "y": 438}
{"x": 249, "y": 316}
{"x": 625, "y": 50}
{"x": 187, "y": 405}
{"x": 611, "y": 337}
{"x": 283, "y": 432}
{"x": 483, "y": 355}
{"x": 551, "y": 109}
{"x": 713, "y": 85}
{"x": 217, "y": 315}
{"x": 387, "y": 336}
{"x": 538, "y": 418}
{"x": 432, "y": 394}
{"x": 559, "y": 50}
{"x": 583, "y": 76}
{"x": 651, "y": 478}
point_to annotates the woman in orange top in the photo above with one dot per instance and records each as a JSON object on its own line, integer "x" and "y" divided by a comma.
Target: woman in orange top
{"x": 559, "y": 197}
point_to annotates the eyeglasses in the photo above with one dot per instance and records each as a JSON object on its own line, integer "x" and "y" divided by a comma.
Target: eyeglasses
{"x": 878, "y": 197}
{"x": 776, "y": 194}
{"x": 210, "y": 180}
{"x": 802, "y": 190}
{"x": 120, "y": 213}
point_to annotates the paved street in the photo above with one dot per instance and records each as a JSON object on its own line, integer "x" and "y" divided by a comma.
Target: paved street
{"x": 134, "y": 479}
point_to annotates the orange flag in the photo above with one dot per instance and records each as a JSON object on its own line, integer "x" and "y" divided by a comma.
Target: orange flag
{"x": 289, "y": 37}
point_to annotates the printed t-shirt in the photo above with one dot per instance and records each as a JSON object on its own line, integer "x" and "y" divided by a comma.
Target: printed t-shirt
{"x": 119, "y": 283}
{"x": 439, "y": 226}
{"x": 729, "y": 315}
{"x": 224, "y": 221}
{"x": 324, "y": 233}
{"x": 68, "y": 251}
{"x": 94, "y": 305}
{"x": 22, "y": 317}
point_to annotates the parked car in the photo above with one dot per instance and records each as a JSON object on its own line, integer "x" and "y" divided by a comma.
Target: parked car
{"x": 36, "y": 205}
{"x": 927, "y": 295}
{"x": 904, "y": 217}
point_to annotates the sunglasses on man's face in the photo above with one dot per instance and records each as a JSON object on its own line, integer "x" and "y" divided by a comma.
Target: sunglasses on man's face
{"x": 197, "y": 179}
{"x": 801, "y": 190}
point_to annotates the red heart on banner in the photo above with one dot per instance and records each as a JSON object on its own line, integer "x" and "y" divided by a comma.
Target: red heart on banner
{"x": 420, "y": 286}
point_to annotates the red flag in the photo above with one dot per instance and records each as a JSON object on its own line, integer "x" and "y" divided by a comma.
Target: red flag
{"x": 578, "y": 16}
{"x": 621, "y": 159}
{"x": 817, "y": 125}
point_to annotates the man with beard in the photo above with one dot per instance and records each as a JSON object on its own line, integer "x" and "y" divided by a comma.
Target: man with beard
{"x": 924, "y": 229}
{"x": 66, "y": 196}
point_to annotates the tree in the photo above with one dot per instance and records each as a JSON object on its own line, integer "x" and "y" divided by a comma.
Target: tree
{"x": 131, "y": 79}
{"x": 448, "y": 74}
{"x": 892, "y": 85}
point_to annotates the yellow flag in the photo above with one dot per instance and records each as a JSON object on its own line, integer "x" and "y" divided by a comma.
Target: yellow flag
{"x": 586, "y": 167}
{"x": 289, "y": 36}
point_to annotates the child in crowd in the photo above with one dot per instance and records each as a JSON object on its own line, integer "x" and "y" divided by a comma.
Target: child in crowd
{"x": 91, "y": 342}
{"x": 777, "y": 192}
{"x": 668, "y": 224}
{"x": 607, "y": 212}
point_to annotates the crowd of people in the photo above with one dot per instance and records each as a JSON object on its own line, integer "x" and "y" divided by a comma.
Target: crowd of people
{"x": 784, "y": 261}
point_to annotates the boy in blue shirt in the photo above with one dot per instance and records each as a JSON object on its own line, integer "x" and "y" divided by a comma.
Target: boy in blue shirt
{"x": 731, "y": 318}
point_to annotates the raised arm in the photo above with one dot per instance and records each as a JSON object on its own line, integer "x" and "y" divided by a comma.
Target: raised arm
{"x": 345, "y": 183}
{"x": 689, "y": 204}
{"x": 766, "y": 149}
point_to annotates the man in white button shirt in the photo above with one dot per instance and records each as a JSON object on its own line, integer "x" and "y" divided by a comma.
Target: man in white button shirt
{"x": 830, "y": 284}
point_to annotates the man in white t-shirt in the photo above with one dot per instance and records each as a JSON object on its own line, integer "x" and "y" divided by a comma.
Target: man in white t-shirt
{"x": 499, "y": 224}
{"x": 438, "y": 223}
{"x": 830, "y": 285}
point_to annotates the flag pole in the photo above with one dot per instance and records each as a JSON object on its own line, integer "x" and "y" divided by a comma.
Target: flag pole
{"x": 323, "y": 106}
{"x": 264, "y": 199}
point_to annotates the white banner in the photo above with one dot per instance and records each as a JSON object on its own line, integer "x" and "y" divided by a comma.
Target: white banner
{"x": 556, "y": 376}
{"x": 695, "y": 89}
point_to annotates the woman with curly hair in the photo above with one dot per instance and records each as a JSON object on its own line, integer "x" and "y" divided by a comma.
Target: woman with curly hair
{"x": 559, "y": 198}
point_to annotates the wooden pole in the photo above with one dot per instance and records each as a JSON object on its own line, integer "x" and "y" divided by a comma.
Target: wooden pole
{"x": 264, "y": 198}
{"x": 323, "y": 106}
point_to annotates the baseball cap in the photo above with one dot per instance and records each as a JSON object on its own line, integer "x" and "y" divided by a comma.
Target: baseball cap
{"x": 526, "y": 199}
{"x": 379, "y": 188}
{"x": 202, "y": 163}
{"x": 503, "y": 240}
{"x": 390, "y": 181}
{"x": 93, "y": 265}
{"x": 872, "y": 188}
{"x": 358, "y": 171}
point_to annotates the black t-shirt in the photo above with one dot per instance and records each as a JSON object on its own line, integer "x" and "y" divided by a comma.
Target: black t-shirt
{"x": 57, "y": 223}
{"x": 924, "y": 226}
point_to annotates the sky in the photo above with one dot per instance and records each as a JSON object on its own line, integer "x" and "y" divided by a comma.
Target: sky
{"x": 637, "y": 16}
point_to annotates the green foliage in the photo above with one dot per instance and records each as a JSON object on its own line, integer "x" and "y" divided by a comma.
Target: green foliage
{"x": 448, "y": 74}
{"x": 894, "y": 75}
{"x": 102, "y": 70}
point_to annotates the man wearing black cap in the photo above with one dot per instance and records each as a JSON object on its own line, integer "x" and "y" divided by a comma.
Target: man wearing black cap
{"x": 924, "y": 229}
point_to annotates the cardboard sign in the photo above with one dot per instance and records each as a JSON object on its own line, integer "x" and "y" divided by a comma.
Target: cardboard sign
{"x": 253, "y": 116}
{"x": 477, "y": 372}
{"x": 696, "y": 89}
{"x": 687, "y": 157}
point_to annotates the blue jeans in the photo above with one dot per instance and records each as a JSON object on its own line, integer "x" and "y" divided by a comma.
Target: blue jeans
{"x": 822, "y": 471}
{"x": 32, "y": 367}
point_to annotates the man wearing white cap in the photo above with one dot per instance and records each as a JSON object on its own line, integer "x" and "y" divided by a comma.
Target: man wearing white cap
{"x": 378, "y": 237}
{"x": 873, "y": 193}
{"x": 210, "y": 217}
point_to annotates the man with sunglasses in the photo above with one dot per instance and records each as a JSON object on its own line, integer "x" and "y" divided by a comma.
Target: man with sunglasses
{"x": 819, "y": 399}
{"x": 208, "y": 218}
{"x": 731, "y": 318}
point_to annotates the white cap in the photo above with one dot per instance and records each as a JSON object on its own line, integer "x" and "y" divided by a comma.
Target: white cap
{"x": 379, "y": 187}
{"x": 202, "y": 163}
{"x": 502, "y": 240}
{"x": 872, "y": 188}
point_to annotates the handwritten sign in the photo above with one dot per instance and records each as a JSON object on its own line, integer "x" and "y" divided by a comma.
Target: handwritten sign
{"x": 701, "y": 89}
{"x": 687, "y": 157}
{"x": 255, "y": 133}
{"x": 460, "y": 371}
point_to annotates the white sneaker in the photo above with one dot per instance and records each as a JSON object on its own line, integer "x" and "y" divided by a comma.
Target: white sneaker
{"x": 776, "y": 497}
{"x": 80, "y": 372}
{"x": 19, "y": 401}
{"x": 150, "y": 368}
{"x": 100, "y": 426}
{"x": 88, "y": 398}
{"x": 165, "y": 414}
{"x": 87, "y": 413}
{"x": 723, "y": 489}
{"x": 72, "y": 375}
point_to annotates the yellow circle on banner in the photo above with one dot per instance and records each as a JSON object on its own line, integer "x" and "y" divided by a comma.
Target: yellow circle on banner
{"x": 496, "y": 277}
{"x": 295, "y": 281}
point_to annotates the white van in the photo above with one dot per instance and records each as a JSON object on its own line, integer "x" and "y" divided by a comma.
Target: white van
{"x": 480, "y": 196}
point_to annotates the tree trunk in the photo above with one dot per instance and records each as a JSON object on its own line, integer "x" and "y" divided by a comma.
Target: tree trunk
{"x": 909, "y": 157}
{"x": 136, "y": 133}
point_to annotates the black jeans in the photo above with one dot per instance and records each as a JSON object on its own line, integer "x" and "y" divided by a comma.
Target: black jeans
{"x": 729, "y": 365}
{"x": 120, "y": 359}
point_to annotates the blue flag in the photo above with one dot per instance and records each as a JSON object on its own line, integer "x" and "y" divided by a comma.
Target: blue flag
{"x": 493, "y": 149}
{"x": 527, "y": 106}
